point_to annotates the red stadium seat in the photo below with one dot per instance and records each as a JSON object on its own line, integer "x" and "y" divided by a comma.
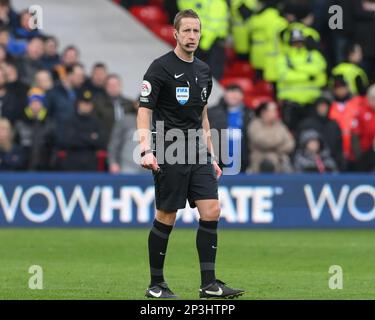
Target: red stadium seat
{"x": 245, "y": 83}
{"x": 263, "y": 88}
{"x": 149, "y": 15}
{"x": 61, "y": 154}
{"x": 254, "y": 101}
{"x": 239, "y": 69}
{"x": 165, "y": 32}
{"x": 158, "y": 3}
{"x": 230, "y": 55}
{"x": 101, "y": 156}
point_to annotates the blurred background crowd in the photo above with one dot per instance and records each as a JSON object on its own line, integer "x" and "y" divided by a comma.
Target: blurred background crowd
{"x": 301, "y": 93}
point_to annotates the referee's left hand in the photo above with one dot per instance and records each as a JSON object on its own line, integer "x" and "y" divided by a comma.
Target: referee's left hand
{"x": 218, "y": 171}
{"x": 149, "y": 162}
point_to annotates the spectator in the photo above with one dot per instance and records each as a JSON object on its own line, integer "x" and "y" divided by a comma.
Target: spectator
{"x": 312, "y": 156}
{"x": 364, "y": 14}
{"x": 35, "y": 133}
{"x": 11, "y": 156}
{"x": 340, "y": 39}
{"x": 344, "y": 111}
{"x": 301, "y": 76}
{"x": 270, "y": 141}
{"x": 14, "y": 47}
{"x": 265, "y": 28}
{"x": 14, "y": 84}
{"x": 8, "y": 17}
{"x": 366, "y": 129}
{"x": 328, "y": 130}
{"x": 31, "y": 63}
{"x": 112, "y": 106}
{"x": 23, "y": 31}
{"x": 301, "y": 17}
{"x": 43, "y": 80}
{"x": 241, "y": 11}
{"x": 70, "y": 57}
{"x": 82, "y": 136}
{"x": 96, "y": 82}
{"x": 4, "y": 57}
{"x": 340, "y": 89}
{"x": 122, "y": 145}
{"x": 231, "y": 113}
{"x": 61, "y": 99}
{"x": 354, "y": 75}
{"x": 51, "y": 57}
{"x": 9, "y": 102}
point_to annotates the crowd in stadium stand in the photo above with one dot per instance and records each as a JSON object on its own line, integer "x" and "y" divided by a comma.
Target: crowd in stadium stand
{"x": 300, "y": 93}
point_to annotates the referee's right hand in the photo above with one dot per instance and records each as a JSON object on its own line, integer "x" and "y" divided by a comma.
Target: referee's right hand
{"x": 149, "y": 162}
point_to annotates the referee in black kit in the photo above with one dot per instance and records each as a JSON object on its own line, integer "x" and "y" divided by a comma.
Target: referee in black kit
{"x": 175, "y": 90}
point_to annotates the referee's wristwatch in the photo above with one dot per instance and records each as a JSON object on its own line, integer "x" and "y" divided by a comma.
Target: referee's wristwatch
{"x": 143, "y": 153}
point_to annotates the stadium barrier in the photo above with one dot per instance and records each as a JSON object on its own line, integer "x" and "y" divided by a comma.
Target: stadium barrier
{"x": 255, "y": 201}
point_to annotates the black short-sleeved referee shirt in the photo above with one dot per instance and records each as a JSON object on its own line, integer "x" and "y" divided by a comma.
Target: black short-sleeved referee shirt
{"x": 176, "y": 91}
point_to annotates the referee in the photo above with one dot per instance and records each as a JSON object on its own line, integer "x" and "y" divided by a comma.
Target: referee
{"x": 174, "y": 92}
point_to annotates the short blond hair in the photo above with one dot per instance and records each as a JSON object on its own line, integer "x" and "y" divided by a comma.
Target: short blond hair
{"x": 189, "y": 13}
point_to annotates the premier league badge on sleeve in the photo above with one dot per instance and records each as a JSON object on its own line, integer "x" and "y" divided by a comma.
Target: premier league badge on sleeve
{"x": 182, "y": 95}
{"x": 146, "y": 88}
{"x": 204, "y": 95}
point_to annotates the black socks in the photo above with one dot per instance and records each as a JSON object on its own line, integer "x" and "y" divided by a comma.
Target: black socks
{"x": 157, "y": 247}
{"x": 206, "y": 242}
{"x": 206, "y": 245}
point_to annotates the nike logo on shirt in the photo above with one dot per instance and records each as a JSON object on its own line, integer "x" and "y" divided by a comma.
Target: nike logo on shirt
{"x": 176, "y": 76}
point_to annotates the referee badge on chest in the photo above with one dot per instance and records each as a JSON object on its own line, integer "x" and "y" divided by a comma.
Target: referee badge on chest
{"x": 182, "y": 95}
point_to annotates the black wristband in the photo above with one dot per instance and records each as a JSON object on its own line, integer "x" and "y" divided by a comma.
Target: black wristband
{"x": 143, "y": 153}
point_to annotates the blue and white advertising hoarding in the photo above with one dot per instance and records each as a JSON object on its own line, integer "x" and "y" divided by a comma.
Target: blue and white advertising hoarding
{"x": 254, "y": 201}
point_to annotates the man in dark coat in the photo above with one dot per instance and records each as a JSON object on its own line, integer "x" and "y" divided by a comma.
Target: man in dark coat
{"x": 61, "y": 99}
{"x": 112, "y": 106}
{"x": 10, "y": 106}
{"x": 82, "y": 136}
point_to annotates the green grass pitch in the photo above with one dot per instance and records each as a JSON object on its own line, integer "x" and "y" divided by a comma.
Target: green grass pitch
{"x": 113, "y": 263}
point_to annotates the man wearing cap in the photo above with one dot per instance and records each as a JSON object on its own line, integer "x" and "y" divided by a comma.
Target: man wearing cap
{"x": 301, "y": 76}
{"x": 82, "y": 136}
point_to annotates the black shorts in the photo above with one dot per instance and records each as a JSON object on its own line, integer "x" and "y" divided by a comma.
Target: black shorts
{"x": 176, "y": 183}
